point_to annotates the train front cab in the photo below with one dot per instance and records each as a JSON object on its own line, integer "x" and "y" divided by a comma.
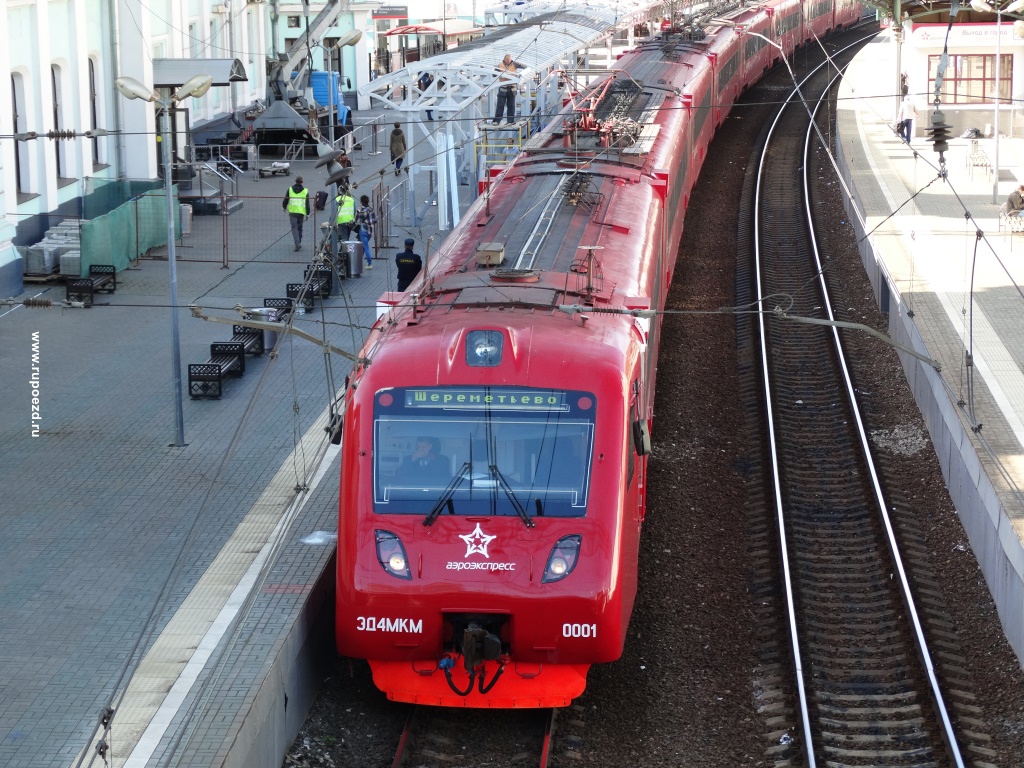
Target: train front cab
{"x": 490, "y": 587}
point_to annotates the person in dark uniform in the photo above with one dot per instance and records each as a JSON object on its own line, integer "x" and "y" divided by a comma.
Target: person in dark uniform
{"x": 425, "y": 463}
{"x": 409, "y": 264}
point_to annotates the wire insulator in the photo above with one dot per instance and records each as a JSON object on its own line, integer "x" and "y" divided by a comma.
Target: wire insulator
{"x": 38, "y": 303}
{"x": 939, "y": 132}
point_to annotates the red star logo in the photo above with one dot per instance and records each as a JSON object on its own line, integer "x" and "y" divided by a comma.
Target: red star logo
{"x": 477, "y": 541}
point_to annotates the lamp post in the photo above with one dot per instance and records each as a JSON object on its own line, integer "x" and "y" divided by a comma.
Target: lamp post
{"x": 348, "y": 39}
{"x": 195, "y": 87}
{"x": 998, "y": 9}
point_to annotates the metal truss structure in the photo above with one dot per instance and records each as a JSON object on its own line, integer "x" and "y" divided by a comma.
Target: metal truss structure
{"x": 449, "y": 119}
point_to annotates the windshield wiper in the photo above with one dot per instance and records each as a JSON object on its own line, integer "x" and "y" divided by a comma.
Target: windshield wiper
{"x": 520, "y": 510}
{"x": 446, "y": 497}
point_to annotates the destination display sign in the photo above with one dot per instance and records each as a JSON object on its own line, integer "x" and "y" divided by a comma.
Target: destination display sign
{"x": 487, "y": 398}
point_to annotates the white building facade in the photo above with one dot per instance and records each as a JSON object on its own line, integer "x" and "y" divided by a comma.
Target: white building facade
{"x": 969, "y": 82}
{"x": 62, "y": 57}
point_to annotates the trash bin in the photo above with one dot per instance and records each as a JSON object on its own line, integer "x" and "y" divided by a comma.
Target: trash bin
{"x": 267, "y": 314}
{"x": 354, "y": 255}
{"x": 185, "y": 212}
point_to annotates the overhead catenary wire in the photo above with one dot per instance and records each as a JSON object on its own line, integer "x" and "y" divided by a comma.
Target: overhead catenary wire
{"x": 856, "y": 211}
{"x": 965, "y": 401}
{"x": 353, "y": 326}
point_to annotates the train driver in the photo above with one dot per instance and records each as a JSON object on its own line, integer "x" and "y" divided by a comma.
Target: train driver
{"x": 426, "y": 463}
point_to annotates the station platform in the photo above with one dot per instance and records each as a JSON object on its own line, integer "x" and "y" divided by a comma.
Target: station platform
{"x": 949, "y": 277}
{"x": 180, "y": 586}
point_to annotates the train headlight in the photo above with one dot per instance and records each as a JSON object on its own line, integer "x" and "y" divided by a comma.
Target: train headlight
{"x": 558, "y": 567}
{"x": 562, "y": 559}
{"x": 391, "y": 555}
{"x": 483, "y": 349}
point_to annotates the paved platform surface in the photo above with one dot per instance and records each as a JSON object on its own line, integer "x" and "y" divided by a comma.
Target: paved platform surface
{"x": 950, "y": 278}
{"x": 121, "y": 553}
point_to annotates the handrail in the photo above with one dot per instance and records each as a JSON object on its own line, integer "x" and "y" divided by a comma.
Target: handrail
{"x": 214, "y": 170}
{"x": 222, "y": 159}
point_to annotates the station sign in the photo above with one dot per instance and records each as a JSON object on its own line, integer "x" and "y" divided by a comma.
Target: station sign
{"x": 962, "y": 35}
{"x": 392, "y": 12}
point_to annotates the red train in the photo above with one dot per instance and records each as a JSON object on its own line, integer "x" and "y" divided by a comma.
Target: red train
{"x": 494, "y": 451}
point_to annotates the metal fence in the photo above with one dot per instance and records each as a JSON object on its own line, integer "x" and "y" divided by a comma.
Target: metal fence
{"x": 118, "y": 230}
{"x": 259, "y": 229}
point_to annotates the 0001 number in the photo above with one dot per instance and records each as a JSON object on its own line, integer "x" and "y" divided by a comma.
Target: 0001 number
{"x": 579, "y": 630}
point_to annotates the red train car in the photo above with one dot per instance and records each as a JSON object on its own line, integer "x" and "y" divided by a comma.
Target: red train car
{"x": 495, "y": 441}
{"x": 726, "y": 54}
{"x": 847, "y": 13}
{"x": 756, "y": 55}
{"x": 787, "y": 26}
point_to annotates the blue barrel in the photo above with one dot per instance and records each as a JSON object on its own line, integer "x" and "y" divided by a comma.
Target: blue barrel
{"x": 319, "y": 82}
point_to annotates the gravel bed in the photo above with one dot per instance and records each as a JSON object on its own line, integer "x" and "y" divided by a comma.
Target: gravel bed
{"x": 683, "y": 694}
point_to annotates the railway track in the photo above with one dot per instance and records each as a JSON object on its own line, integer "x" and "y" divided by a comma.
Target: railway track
{"x": 435, "y": 736}
{"x": 862, "y": 686}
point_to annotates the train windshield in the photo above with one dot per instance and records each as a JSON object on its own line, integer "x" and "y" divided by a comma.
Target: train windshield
{"x": 482, "y": 451}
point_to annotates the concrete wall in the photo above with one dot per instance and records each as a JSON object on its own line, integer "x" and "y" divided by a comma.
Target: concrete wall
{"x": 287, "y": 694}
{"x": 960, "y": 452}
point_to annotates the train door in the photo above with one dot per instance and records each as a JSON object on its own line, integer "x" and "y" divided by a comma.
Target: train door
{"x": 772, "y": 53}
{"x": 702, "y": 128}
{"x": 727, "y": 77}
{"x": 638, "y": 448}
{"x": 716, "y": 107}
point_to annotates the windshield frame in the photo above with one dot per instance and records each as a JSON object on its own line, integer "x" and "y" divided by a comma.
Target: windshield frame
{"x": 528, "y": 451}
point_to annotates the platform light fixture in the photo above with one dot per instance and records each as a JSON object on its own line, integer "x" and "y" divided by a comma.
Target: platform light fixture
{"x": 998, "y": 9}
{"x": 194, "y": 87}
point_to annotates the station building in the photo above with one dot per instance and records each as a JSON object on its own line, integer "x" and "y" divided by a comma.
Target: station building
{"x": 62, "y": 60}
{"x": 970, "y": 82}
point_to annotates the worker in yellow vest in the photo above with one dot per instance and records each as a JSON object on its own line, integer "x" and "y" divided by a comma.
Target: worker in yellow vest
{"x": 508, "y": 84}
{"x": 296, "y": 203}
{"x": 346, "y": 214}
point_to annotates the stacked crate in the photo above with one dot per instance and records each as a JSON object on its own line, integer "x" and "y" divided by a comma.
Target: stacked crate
{"x": 48, "y": 254}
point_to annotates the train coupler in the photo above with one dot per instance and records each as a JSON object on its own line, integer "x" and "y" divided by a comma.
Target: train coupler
{"x": 478, "y": 646}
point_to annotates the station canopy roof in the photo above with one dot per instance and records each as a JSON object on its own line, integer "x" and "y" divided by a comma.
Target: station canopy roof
{"x": 924, "y": 12}
{"x": 471, "y": 69}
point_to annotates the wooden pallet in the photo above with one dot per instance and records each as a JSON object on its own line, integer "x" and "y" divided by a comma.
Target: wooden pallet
{"x": 53, "y": 277}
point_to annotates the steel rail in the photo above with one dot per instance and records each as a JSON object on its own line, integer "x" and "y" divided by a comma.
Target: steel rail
{"x": 894, "y": 548}
{"x": 780, "y": 513}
